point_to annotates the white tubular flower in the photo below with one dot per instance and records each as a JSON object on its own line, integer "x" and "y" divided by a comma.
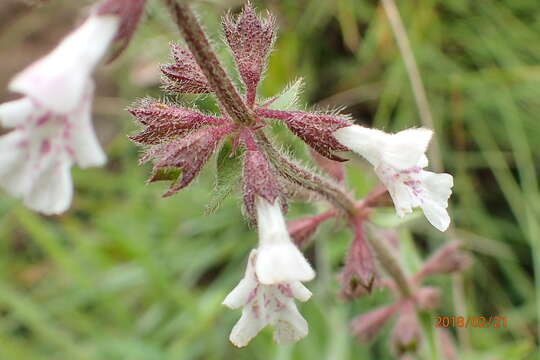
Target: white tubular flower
{"x": 399, "y": 160}
{"x": 52, "y": 122}
{"x": 279, "y": 259}
{"x": 265, "y": 305}
{"x": 59, "y": 80}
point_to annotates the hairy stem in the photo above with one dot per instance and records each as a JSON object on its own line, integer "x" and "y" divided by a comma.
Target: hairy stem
{"x": 305, "y": 178}
{"x": 217, "y": 78}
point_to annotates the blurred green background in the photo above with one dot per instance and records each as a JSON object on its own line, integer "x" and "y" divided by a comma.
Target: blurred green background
{"x": 128, "y": 275}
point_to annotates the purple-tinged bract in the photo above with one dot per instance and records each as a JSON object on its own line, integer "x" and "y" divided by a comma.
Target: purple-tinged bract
{"x": 165, "y": 122}
{"x": 184, "y": 76}
{"x": 130, "y": 13}
{"x": 259, "y": 180}
{"x": 250, "y": 39}
{"x": 188, "y": 154}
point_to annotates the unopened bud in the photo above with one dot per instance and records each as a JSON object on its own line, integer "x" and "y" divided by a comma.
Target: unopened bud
{"x": 406, "y": 335}
{"x": 302, "y": 230}
{"x": 359, "y": 274}
{"x": 447, "y": 260}
{"x": 366, "y": 327}
{"x": 428, "y": 297}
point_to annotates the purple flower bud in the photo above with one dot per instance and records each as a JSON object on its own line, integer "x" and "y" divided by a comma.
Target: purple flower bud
{"x": 359, "y": 274}
{"x": 447, "y": 345}
{"x": 250, "y": 39}
{"x": 428, "y": 297}
{"x": 366, "y": 326}
{"x": 302, "y": 230}
{"x": 407, "y": 335}
{"x": 184, "y": 76}
{"x": 447, "y": 260}
{"x": 130, "y": 13}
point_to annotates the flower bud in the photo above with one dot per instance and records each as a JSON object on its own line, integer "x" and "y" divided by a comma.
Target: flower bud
{"x": 428, "y": 297}
{"x": 302, "y": 230}
{"x": 448, "y": 259}
{"x": 359, "y": 274}
{"x": 366, "y": 326}
{"x": 407, "y": 335}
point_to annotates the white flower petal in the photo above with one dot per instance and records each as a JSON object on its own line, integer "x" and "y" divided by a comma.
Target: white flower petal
{"x": 246, "y": 328}
{"x": 270, "y": 221}
{"x": 436, "y": 215}
{"x": 290, "y": 326}
{"x": 88, "y": 151}
{"x": 439, "y": 186}
{"x": 406, "y": 148}
{"x": 52, "y": 191}
{"x": 299, "y": 291}
{"x": 278, "y": 259}
{"x": 282, "y": 262}
{"x": 240, "y": 295}
{"x": 15, "y": 113}
{"x": 11, "y": 152}
{"x": 245, "y": 290}
{"x": 16, "y": 173}
{"x": 363, "y": 141}
{"x": 58, "y": 80}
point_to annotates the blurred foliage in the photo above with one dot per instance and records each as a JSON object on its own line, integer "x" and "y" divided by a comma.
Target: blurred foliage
{"x": 128, "y": 275}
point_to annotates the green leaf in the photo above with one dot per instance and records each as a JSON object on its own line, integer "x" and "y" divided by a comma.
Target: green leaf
{"x": 229, "y": 167}
{"x": 289, "y": 98}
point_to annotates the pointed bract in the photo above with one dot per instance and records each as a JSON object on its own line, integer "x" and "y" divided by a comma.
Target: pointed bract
{"x": 316, "y": 130}
{"x": 129, "y": 12}
{"x": 165, "y": 122}
{"x": 184, "y": 76}
{"x": 259, "y": 180}
{"x": 250, "y": 39}
{"x": 188, "y": 154}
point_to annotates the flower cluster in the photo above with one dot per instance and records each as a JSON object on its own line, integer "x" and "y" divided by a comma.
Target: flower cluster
{"x": 406, "y": 336}
{"x": 52, "y": 130}
{"x": 52, "y": 121}
{"x": 180, "y": 141}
